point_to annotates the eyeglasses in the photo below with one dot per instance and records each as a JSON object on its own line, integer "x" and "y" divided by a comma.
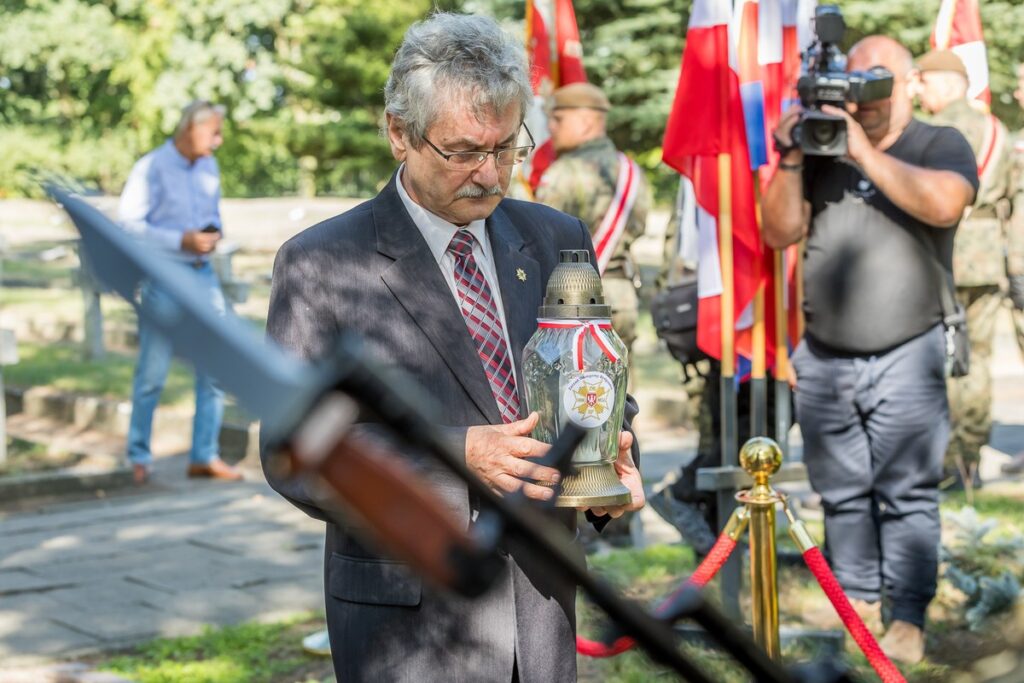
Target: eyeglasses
{"x": 470, "y": 161}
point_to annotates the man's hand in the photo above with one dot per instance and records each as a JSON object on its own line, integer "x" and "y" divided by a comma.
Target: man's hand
{"x": 629, "y": 475}
{"x": 199, "y": 242}
{"x": 500, "y": 455}
{"x": 784, "y": 133}
{"x": 858, "y": 147}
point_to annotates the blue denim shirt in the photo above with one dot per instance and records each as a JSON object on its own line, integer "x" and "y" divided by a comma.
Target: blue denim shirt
{"x": 166, "y": 195}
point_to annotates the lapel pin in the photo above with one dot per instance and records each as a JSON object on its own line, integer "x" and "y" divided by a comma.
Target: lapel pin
{"x": 521, "y": 274}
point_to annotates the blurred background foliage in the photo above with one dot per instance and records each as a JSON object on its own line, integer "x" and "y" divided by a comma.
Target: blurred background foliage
{"x": 86, "y": 86}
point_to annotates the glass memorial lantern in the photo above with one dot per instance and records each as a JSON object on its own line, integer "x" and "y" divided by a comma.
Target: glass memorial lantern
{"x": 575, "y": 368}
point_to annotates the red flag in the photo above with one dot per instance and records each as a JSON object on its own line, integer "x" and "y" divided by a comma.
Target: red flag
{"x": 556, "y": 59}
{"x": 706, "y": 120}
{"x": 958, "y": 28}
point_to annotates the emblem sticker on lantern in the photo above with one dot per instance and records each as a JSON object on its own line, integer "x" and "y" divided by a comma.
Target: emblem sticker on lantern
{"x": 588, "y": 399}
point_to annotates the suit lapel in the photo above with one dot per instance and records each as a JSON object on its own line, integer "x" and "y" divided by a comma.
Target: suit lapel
{"x": 416, "y": 282}
{"x": 521, "y": 289}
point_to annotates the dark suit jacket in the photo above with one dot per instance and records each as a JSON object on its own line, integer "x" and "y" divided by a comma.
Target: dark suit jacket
{"x": 369, "y": 270}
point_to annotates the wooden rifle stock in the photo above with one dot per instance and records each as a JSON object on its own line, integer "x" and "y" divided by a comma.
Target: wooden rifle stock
{"x": 399, "y": 510}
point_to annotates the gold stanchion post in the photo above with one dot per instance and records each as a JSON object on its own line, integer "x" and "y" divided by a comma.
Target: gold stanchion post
{"x": 761, "y": 458}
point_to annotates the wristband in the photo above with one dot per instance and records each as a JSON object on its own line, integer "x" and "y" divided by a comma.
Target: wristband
{"x": 791, "y": 167}
{"x": 781, "y": 148}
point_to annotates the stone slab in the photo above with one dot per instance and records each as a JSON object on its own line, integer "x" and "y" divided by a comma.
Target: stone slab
{"x": 14, "y": 581}
{"x": 25, "y": 629}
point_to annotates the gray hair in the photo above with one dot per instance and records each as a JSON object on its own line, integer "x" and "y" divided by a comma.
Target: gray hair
{"x": 450, "y": 56}
{"x": 198, "y": 111}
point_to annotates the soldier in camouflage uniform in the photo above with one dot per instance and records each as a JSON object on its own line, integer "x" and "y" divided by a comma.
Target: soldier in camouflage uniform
{"x": 582, "y": 182}
{"x": 1015, "y": 248}
{"x": 979, "y": 261}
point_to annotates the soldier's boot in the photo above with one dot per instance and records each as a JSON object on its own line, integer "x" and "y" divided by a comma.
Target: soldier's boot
{"x": 903, "y": 642}
{"x": 686, "y": 517}
{"x": 825, "y": 616}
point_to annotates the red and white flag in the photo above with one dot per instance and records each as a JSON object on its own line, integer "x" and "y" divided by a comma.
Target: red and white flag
{"x": 958, "y": 28}
{"x": 707, "y": 119}
{"x": 556, "y": 59}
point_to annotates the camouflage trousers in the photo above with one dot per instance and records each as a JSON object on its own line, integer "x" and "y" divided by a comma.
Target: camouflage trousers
{"x": 620, "y": 294}
{"x": 970, "y": 397}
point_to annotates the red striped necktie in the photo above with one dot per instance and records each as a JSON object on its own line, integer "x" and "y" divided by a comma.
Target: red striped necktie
{"x": 484, "y": 324}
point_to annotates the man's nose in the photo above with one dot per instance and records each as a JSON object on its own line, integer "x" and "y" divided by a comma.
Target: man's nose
{"x": 487, "y": 174}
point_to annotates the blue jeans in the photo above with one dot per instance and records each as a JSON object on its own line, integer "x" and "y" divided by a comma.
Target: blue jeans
{"x": 154, "y": 362}
{"x": 875, "y": 429}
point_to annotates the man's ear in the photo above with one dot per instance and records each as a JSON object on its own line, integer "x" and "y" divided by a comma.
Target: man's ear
{"x": 397, "y": 138}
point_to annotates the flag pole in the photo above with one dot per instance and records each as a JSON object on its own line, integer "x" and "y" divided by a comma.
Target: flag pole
{"x": 758, "y": 383}
{"x": 731, "y": 575}
{"x": 783, "y": 418}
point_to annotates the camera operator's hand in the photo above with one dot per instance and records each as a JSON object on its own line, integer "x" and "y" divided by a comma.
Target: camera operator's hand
{"x": 857, "y": 144}
{"x": 783, "y": 135}
{"x": 1017, "y": 291}
{"x": 199, "y": 242}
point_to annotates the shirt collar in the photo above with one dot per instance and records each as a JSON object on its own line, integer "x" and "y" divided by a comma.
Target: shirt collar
{"x": 176, "y": 156}
{"x": 435, "y": 230}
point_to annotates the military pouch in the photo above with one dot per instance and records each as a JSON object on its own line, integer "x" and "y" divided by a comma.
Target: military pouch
{"x": 674, "y": 313}
{"x": 958, "y": 345}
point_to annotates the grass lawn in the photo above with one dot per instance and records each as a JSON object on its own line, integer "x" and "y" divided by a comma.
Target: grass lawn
{"x": 24, "y": 457}
{"x": 260, "y": 652}
{"x": 62, "y": 367}
{"x": 248, "y": 653}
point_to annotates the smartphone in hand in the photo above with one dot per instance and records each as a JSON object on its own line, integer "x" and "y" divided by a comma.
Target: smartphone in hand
{"x": 210, "y": 228}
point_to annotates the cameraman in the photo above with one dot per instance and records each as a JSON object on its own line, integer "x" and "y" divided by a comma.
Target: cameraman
{"x": 871, "y": 392}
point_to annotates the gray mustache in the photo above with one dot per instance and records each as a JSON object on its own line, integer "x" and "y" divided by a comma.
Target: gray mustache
{"x": 477, "y": 192}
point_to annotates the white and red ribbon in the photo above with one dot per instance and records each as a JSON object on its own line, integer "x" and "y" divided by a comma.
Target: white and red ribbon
{"x": 613, "y": 226}
{"x": 584, "y": 328}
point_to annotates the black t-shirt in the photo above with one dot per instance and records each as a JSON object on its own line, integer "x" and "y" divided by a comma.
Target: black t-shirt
{"x": 870, "y": 280}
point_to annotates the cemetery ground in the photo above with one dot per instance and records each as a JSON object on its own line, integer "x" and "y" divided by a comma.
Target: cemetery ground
{"x": 185, "y": 580}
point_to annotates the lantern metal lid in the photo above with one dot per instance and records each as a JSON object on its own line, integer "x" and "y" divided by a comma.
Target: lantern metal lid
{"x": 574, "y": 289}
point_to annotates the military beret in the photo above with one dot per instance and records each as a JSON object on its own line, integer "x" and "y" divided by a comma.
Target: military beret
{"x": 942, "y": 60}
{"x": 579, "y": 96}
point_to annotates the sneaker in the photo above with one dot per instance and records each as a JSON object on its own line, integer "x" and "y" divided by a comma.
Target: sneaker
{"x": 903, "y": 643}
{"x": 686, "y": 518}
{"x": 318, "y": 643}
{"x": 826, "y": 618}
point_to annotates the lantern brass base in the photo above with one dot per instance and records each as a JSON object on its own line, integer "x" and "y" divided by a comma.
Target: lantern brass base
{"x": 593, "y": 486}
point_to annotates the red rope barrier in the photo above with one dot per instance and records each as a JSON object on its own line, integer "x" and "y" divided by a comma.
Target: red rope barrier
{"x": 706, "y": 570}
{"x": 885, "y": 669}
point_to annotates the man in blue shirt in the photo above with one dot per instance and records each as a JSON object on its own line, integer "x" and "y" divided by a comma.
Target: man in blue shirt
{"x": 171, "y": 199}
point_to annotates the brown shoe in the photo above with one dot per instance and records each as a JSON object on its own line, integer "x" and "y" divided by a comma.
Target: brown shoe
{"x": 215, "y": 469}
{"x": 903, "y": 643}
{"x": 825, "y": 616}
{"x": 140, "y": 474}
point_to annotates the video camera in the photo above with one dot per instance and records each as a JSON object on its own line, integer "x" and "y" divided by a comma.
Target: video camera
{"x": 824, "y": 80}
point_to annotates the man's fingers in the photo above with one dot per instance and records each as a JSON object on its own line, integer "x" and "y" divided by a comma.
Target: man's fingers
{"x": 537, "y": 492}
{"x": 524, "y": 469}
{"x": 509, "y": 484}
{"x": 835, "y": 111}
{"x": 625, "y": 440}
{"x": 520, "y": 427}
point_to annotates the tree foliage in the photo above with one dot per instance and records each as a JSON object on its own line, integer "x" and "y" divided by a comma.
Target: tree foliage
{"x": 633, "y": 49}
{"x": 89, "y": 85}
{"x": 86, "y": 86}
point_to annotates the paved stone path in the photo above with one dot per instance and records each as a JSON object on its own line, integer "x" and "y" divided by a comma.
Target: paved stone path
{"x": 163, "y": 560}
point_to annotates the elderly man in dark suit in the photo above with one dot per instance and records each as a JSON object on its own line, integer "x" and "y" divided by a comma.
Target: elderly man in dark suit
{"x": 442, "y": 277}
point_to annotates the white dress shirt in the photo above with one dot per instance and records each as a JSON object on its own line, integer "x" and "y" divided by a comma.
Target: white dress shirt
{"x": 438, "y": 233}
